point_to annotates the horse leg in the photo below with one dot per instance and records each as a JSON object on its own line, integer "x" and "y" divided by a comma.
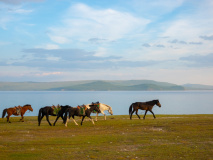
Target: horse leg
{"x": 62, "y": 118}
{"x": 74, "y": 121}
{"x": 22, "y": 117}
{"x": 153, "y": 114}
{"x": 96, "y": 118}
{"x": 137, "y": 114}
{"x": 83, "y": 120}
{"x": 67, "y": 120}
{"x": 131, "y": 114}
{"x": 56, "y": 120}
{"x": 47, "y": 117}
{"x": 8, "y": 120}
{"x": 144, "y": 114}
{"x": 39, "y": 121}
{"x": 92, "y": 120}
{"x": 104, "y": 115}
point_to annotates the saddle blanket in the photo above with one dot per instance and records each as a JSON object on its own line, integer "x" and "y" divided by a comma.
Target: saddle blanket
{"x": 81, "y": 110}
{"x": 18, "y": 111}
{"x": 56, "y": 110}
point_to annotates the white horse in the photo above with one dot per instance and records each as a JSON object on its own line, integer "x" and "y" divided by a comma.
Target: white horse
{"x": 102, "y": 107}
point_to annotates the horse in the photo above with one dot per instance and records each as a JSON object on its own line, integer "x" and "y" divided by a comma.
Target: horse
{"x": 143, "y": 106}
{"x": 19, "y": 110}
{"x": 102, "y": 107}
{"x": 75, "y": 111}
{"x": 49, "y": 110}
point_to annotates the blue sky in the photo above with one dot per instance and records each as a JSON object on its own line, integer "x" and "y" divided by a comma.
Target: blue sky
{"x": 63, "y": 40}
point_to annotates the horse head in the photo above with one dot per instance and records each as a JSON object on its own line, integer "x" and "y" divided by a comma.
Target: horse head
{"x": 158, "y": 103}
{"x": 29, "y": 107}
{"x": 110, "y": 110}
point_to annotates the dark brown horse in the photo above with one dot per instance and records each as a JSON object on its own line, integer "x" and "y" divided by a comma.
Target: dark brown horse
{"x": 143, "y": 106}
{"x": 16, "y": 111}
{"x": 80, "y": 111}
{"x": 50, "y": 110}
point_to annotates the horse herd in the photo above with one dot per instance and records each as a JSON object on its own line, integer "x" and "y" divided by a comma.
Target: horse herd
{"x": 66, "y": 112}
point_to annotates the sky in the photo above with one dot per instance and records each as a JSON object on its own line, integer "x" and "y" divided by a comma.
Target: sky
{"x": 67, "y": 40}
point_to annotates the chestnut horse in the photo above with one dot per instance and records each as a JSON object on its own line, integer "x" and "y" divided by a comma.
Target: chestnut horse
{"x": 14, "y": 111}
{"x": 143, "y": 106}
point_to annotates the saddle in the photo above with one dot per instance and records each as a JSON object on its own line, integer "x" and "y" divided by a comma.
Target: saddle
{"x": 82, "y": 109}
{"x": 56, "y": 109}
{"x": 97, "y": 104}
{"x": 18, "y": 109}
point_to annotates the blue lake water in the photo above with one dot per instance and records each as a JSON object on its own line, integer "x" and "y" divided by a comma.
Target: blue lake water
{"x": 173, "y": 102}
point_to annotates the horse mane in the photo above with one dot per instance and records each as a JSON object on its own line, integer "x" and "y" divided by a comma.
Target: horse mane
{"x": 27, "y": 105}
{"x": 107, "y": 105}
{"x": 152, "y": 102}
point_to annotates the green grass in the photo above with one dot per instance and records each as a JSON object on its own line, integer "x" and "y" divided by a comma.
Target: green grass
{"x": 167, "y": 137}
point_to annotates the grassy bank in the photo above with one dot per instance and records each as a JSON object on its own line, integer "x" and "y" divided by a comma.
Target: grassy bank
{"x": 167, "y": 137}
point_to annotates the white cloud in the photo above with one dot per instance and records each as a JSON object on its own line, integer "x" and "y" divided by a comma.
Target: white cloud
{"x": 58, "y": 39}
{"x": 155, "y": 8}
{"x": 12, "y": 14}
{"x": 101, "y": 52}
{"x": 82, "y": 23}
{"x": 20, "y": 11}
{"x": 48, "y": 46}
{"x": 48, "y": 73}
{"x": 4, "y": 20}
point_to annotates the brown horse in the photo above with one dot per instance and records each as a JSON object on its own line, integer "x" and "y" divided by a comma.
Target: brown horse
{"x": 143, "y": 106}
{"x": 16, "y": 111}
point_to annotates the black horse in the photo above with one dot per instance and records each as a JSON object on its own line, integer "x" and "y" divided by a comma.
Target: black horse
{"x": 143, "y": 106}
{"x": 76, "y": 111}
{"x": 48, "y": 110}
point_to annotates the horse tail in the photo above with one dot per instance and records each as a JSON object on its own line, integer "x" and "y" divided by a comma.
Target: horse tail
{"x": 4, "y": 113}
{"x": 130, "y": 108}
{"x": 39, "y": 114}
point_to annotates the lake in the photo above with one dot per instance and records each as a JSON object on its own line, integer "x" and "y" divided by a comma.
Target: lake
{"x": 172, "y": 102}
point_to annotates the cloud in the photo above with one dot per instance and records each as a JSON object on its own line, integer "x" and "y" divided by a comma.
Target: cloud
{"x": 160, "y": 46}
{"x": 19, "y": 11}
{"x": 184, "y": 42}
{"x": 83, "y": 23}
{"x": 97, "y": 40}
{"x": 48, "y": 46}
{"x": 146, "y": 45}
{"x": 16, "y": 2}
{"x": 68, "y": 54}
{"x": 156, "y": 8}
{"x": 48, "y": 73}
{"x": 196, "y": 43}
{"x": 177, "y": 41}
{"x": 12, "y": 14}
{"x": 59, "y": 60}
{"x": 209, "y": 38}
{"x": 199, "y": 60}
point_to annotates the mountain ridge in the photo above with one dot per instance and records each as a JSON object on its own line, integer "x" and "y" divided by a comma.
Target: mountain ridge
{"x": 100, "y": 85}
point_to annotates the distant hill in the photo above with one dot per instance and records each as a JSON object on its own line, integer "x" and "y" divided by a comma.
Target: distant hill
{"x": 197, "y": 87}
{"x": 99, "y": 85}
{"x": 95, "y": 85}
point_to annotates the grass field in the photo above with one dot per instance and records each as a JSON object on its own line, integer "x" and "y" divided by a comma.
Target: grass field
{"x": 166, "y": 137}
